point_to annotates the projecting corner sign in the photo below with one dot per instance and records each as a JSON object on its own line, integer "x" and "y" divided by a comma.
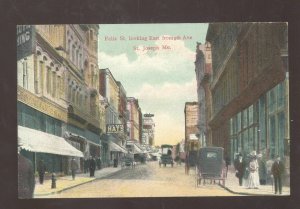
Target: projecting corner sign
{"x": 114, "y": 128}
{"x": 25, "y": 40}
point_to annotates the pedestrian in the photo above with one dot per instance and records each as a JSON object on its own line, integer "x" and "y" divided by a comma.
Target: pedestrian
{"x": 26, "y": 180}
{"x": 227, "y": 162}
{"x": 253, "y": 178}
{"x": 100, "y": 163}
{"x": 86, "y": 165}
{"x": 269, "y": 164}
{"x": 277, "y": 172}
{"x": 74, "y": 167}
{"x": 262, "y": 170}
{"x": 41, "y": 170}
{"x": 92, "y": 166}
{"x": 240, "y": 166}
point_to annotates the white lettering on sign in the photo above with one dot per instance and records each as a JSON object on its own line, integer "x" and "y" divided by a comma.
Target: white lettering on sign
{"x": 23, "y": 34}
{"x": 115, "y": 128}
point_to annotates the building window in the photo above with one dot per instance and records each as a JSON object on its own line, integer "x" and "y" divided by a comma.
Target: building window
{"x": 272, "y": 134}
{"x": 25, "y": 75}
{"x": 281, "y": 134}
{"x": 250, "y": 112}
{"x": 73, "y": 54}
{"x": 41, "y": 75}
{"x": 73, "y": 95}
{"x": 262, "y": 122}
{"x": 70, "y": 93}
{"x": 58, "y": 87}
{"x": 245, "y": 118}
{"x": 53, "y": 84}
{"x": 48, "y": 85}
{"x": 36, "y": 77}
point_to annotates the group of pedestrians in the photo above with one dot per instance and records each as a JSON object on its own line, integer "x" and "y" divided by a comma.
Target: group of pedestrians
{"x": 91, "y": 164}
{"x": 248, "y": 172}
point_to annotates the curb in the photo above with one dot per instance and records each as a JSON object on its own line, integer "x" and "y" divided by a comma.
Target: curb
{"x": 248, "y": 194}
{"x": 71, "y": 187}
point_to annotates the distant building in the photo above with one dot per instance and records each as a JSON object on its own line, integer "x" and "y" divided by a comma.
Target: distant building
{"x": 133, "y": 124}
{"x": 191, "y": 122}
{"x": 148, "y": 130}
{"x": 113, "y": 93}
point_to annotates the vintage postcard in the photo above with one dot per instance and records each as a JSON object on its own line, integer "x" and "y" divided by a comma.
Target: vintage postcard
{"x": 153, "y": 110}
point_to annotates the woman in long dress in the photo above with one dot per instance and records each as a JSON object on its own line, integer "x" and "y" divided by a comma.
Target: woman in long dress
{"x": 253, "y": 178}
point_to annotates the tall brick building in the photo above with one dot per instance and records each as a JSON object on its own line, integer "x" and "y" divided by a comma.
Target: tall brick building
{"x": 249, "y": 86}
{"x": 203, "y": 75}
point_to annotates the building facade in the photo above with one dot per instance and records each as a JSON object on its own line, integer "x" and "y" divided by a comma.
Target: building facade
{"x": 112, "y": 94}
{"x": 191, "y": 125}
{"x": 203, "y": 76}
{"x": 148, "y": 130}
{"x": 54, "y": 95}
{"x": 250, "y": 109}
{"x": 133, "y": 124}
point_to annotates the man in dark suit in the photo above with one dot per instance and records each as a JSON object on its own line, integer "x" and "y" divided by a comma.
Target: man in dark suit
{"x": 277, "y": 172}
{"x": 240, "y": 167}
{"x": 92, "y": 164}
{"x": 26, "y": 181}
{"x": 41, "y": 170}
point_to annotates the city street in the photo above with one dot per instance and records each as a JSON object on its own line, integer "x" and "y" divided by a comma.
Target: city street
{"x": 146, "y": 180}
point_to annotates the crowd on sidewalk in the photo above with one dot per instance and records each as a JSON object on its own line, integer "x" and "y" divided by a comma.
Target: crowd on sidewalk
{"x": 253, "y": 174}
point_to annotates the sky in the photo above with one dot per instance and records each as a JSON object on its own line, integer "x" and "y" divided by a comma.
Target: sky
{"x": 155, "y": 64}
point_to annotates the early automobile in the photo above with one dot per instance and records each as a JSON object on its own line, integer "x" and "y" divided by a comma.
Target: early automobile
{"x": 128, "y": 160}
{"x": 210, "y": 165}
{"x": 166, "y": 155}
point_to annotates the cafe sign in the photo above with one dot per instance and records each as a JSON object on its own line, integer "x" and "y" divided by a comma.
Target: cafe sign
{"x": 114, "y": 128}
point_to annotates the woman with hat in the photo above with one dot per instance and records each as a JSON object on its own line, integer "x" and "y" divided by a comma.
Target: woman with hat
{"x": 253, "y": 178}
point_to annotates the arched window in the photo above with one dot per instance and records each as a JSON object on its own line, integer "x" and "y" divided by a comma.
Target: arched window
{"x": 41, "y": 76}
{"x": 73, "y": 95}
{"x": 92, "y": 75}
{"x": 69, "y": 93}
{"x": 73, "y": 53}
{"x": 59, "y": 84}
{"x": 77, "y": 58}
{"x": 53, "y": 84}
{"x": 69, "y": 47}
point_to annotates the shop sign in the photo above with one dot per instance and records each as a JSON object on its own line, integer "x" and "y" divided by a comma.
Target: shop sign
{"x": 114, "y": 128}
{"x": 148, "y": 115}
{"x": 25, "y": 40}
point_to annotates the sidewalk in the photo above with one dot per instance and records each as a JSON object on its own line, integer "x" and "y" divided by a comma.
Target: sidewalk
{"x": 66, "y": 182}
{"x": 232, "y": 185}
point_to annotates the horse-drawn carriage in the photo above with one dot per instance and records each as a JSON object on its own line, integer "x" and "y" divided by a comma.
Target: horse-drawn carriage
{"x": 210, "y": 165}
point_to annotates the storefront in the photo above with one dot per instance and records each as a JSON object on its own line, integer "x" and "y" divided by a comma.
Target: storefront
{"x": 52, "y": 149}
{"x": 263, "y": 126}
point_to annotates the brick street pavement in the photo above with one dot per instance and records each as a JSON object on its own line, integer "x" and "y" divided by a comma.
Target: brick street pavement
{"x": 66, "y": 182}
{"x": 232, "y": 185}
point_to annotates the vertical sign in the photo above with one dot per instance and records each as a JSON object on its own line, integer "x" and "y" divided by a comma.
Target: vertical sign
{"x": 25, "y": 40}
